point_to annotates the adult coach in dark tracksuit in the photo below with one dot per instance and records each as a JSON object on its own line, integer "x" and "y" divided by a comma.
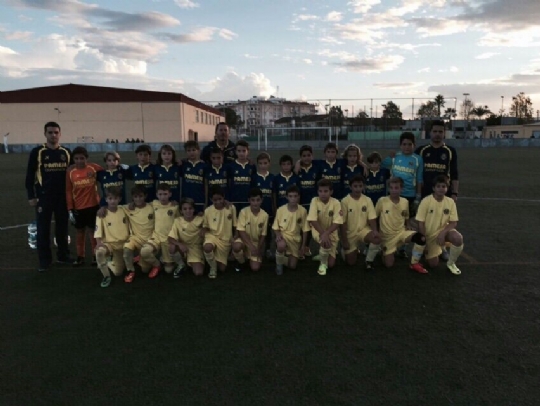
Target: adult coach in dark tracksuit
{"x": 46, "y": 188}
{"x": 222, "y": 142}
{"x": 439, "y": 159}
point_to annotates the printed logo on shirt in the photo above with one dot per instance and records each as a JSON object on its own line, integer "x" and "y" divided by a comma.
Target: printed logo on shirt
{"x": 229, "y": 217}
{"x": 150, "y": 174}
{"x": 404, "y": 213}
{"x": 200, "y": 172}
{"x": 89, "y": 174}
{"x": 169, "y": 213}
{"x": 443, "y": 157}
{"x": 120, "y": 176}
{"x": 446, "y": 211}
{"x": 260, "y": 225}
{"x": 331, "y": 213}
{"x": 299, "y": 221}
{"x": 63, "y": 157}
{"x": 364, "y": 208}
{"x": 150, "y": 216}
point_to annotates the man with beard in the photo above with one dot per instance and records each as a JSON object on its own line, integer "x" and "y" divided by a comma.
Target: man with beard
{"x": 222, "y": 142}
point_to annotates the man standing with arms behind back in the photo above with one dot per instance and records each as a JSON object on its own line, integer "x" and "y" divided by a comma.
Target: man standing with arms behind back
{"x": 439, "y": 159}
{"x": 221, "y": 141}
{"x": 46, "y": 189}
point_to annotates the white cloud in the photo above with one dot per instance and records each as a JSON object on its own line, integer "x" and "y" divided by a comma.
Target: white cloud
{"x": 524, "y": 38}
{"x": 375, "y": 64}
{"x": 430, "y": 27}
{"x": 249, "y": 56}
{"x": 307, "y": 61}
{"x": 305, "y": 17}
{"x": 452, "y": 69}
{"x": 7, "y": 51}
{"x": 404, "y": 85}
{"x": 341, "y": 55}
{"x": 187, "y": 4}
{"x": 362, "y": 6}
{"x": 486, "y": 55}
{"x": 18, "y": 36}
{"x": 424, "y": 70}
{"x": 232, "y": 86}
{"x": 334, "y": 16}
{"x": 227, "y": 34}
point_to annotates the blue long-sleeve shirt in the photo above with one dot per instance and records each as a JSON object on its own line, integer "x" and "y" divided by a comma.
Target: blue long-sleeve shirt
{"x": 407, "y": 167}
{"x": 46, "y": 171}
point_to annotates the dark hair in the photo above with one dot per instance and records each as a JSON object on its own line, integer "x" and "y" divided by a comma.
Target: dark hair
{"x": 374, "y": 156}
{"x": 356, "y": 179}
{"x": 325, "y": 183}
{"x": 216, "y": 190}
{"x": 286, "y": 158}
{"x": 216, "y": 151}
{"x": 396, "y": 179}
{"x": 293, "y": 189}
{"x": 255, "y": 192}
{"x": 51, "y": 124}
{"x": 304, "y": 148}
{"x": 220, "y": 123}
{"x": 331, "y": 145}
{"x": 187, "y": 200}
{"x": 166, "y": 147}
{"x": 407, "y": 135}
{"x": 191, "y": 144}
{"x": 242, "y": 143}
{"x": 438, "y": 123}
{"x": 115, "y": 191}
{"x": 138, "y": 190}
{"x": 144, "y": 148}
{"x": 263, "y": 155}
{"x": 441, "y": 179}
{"x": 164, "y": 186}
{"x": 80, "y": 151}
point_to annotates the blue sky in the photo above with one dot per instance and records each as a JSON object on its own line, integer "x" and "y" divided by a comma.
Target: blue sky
{"x": 314, "y": 50}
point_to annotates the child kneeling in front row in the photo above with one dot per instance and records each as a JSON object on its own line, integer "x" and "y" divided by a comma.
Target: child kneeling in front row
{"x": 185, "y": 240}
{"x": 112, "y": 231}
{"x": 218, "y": 231}
{"x": 252, "y": 228}
{"x": 292, "y": 230}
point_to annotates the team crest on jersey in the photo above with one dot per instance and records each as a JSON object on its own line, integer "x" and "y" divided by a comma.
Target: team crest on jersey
{"x": 260, "y": 225}
{"x": 39, "y": 209}
{"x": 431, "y": 211}
{"x": 63, "y": 157}
{"x": 150, "y": 174}
{"x": 225, "y": 174}
{"x": 314, "y": 176}
{"x": 387, "y": 212}
{"x": 120, "y": 176}
{"x": 339, "y": 171}
{"x": 176, "y": 174}
{"x": 443, "y": 157}
{"x": 446, "y": 211}
{"x": 404, "y": 213}
{"x": 229, "y": 217}
{"x": 150, "y": 216}
{"x": 411, "y": 163}
{"x": 89, "y": 174}
{"x": 200, "y": 172}
{"x": 350, "y": 210}
{"x": 169, "y": 212}
{"x": 109, "y": 224}
{"x": 231, "y": 153}
{"x": 331, "y": 213}
{"x": 428, "y": 155}
{"x": 382, "y": 178}
{"x": 236, "y": 172}
{"x": 364, "y": 208}
{"x": 124, "y": 220}
{"x": 299, "y": 221}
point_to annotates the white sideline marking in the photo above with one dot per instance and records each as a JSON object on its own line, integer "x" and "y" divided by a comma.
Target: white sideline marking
{"x": 17, "y": 226}
{"x": 501, "y": 199}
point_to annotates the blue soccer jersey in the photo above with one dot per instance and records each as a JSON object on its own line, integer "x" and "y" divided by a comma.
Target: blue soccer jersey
{"x": 240, "y": 176}
{"x": 144, "y": 176}
{"x": 171, "y": 176}
{"x": 217, "y": 176}
{"x": 375, "y": 184}
{"x": 407, "y": 167}
{"x": 107, "y": 178}
{"x": 266, "y": 184}
{"x": 346, "y": 174}
{"x": 193, "y": 182}
{"x": 281, "y": 184}
{"x": 332, "y": 172}
{"x": 308, "y": 176}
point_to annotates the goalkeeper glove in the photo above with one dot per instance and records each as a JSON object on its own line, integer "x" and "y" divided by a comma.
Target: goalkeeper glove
{"x": 72, "y": 214}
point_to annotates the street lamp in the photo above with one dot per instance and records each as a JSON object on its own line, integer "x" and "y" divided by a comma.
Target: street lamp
{"x": 466, "y": 112}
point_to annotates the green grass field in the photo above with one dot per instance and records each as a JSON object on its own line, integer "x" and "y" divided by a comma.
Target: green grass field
{"x": 350, "y": 338}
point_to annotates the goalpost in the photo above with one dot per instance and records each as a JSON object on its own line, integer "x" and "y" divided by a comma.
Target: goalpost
{"x": 288, "y": 134}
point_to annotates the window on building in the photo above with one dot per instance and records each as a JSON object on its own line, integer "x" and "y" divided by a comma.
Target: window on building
{"x": 196, "y": 116}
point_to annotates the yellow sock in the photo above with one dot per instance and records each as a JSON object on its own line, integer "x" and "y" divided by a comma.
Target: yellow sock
{"x": 324, "y": 254}
{"x": 211, "y": 259}
{"x": 101, "y": 259}
{"x": 281, "y": 258}
{"x": 147, "y": 254}
{"x": 454, "y": 253}
{"x": 372, "y": 252}
{"x": 417, "y": 252}
{"x": 128, "y": 260}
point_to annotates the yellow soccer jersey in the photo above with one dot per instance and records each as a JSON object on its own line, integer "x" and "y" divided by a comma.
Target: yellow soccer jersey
{"x": 254, "y": 225}
{"x": 220, "y": 222}
{"x": 164, "y": 216}
{"x": 392, "y": 216}
{"x": 356, "y": 213}
{"x": 187, "y": 232}
{"x": 326, "y": 214}
{"x": 291, "y": 224}
{"x": 436, "y": 215}
{"x": 114, "y": 227}
{"x": 141, "y": 221}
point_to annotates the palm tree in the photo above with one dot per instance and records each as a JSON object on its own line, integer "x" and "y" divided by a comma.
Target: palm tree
{"x": 481, "y": 111}
{"x": 440, "y": 102}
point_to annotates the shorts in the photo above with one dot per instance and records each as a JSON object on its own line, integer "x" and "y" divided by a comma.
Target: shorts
{"x": 390, "y": 243}
{"x": 433, "y": 249}
{"x": 86, "y": 218}
{"x": 221, "y": 247}
{"x": 194, "y": 254}
{"x": 293, "y": 246}
{"x": 333, "y": 239}
{"x": 247, "y": 252}
{"x": 356, "y": 239}
{"x": 163, "y": 248}
{"x": 116, "y": 251}
{"x": 134, "y": 243}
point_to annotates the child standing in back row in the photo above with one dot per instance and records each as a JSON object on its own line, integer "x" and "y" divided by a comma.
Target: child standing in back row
{"x": 167, "y": 171}
{"x": 240, "y": 175}
{"x": 193, "y": 172}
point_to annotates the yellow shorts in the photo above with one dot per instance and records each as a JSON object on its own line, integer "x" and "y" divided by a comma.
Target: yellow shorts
{"x": 134, "y": 243}
{"x": 163, "y": 248}
{"x": 333, "y": 239}
{"x": 195, "y": 254}
{"x": 390, "y": 243}
{"x": 222, "y": 248}
{"x": 356, "y": 239}
{"x": 116, "y": 251}
{"x": 247, "y": 252}
{"x": 114, "y": 246}
{"x": 293, "y": 246}
{"x": 432, "y": 248}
